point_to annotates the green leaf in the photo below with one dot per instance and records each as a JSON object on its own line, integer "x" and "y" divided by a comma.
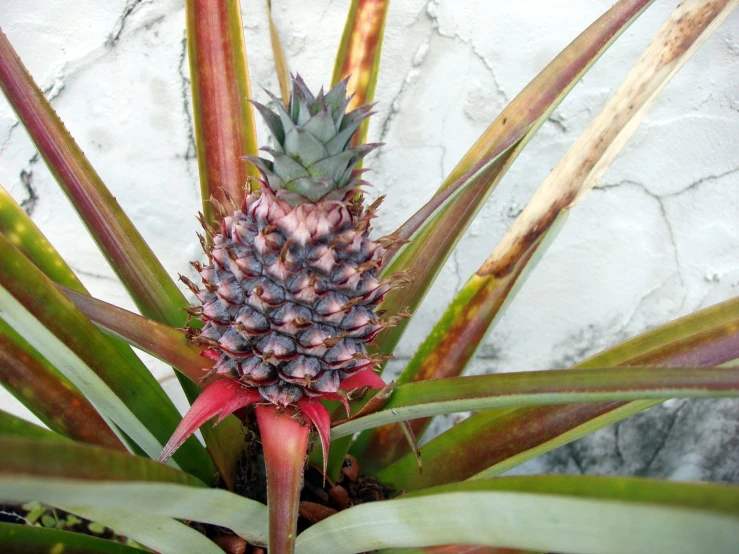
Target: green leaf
{"x": 525, "y": 388}
{"x": 162, "y": 534}
{"x": 492, "y": 442}
{"x": 132, "y": 400}
{"x": 27, "y": 539}
{"x": 224, "y": 119}
{"x": 14, "y": 426}
{"x": 23, "y": 233}
{"x": 456, "y": 549}
{"x": 358, "y": 56}
{"x": 73, "y": 476}
{"x": 278, "y": 52}
{"x": 225, "y": 442}
{"x": 588, "y": 515}
{"x": 161, "y": 341}
{"x": 40, "y": 387}
{"x": 437, "y": 227}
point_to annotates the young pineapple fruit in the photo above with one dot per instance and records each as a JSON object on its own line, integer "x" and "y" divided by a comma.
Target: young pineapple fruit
{"x": 292, "y": 282}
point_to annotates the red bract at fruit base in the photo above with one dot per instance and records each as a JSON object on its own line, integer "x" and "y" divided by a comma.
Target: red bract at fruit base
{"x": 306, "y": 448}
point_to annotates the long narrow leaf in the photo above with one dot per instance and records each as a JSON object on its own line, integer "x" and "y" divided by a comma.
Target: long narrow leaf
{"x": 44, "y": 317}
{"x": 440, "y": 223}
{"x": 358, "y": 57}
{"x": 27, "y": 539}
{"x": 76, "y": 475}
{"x": 14, "y": 426}
{"x": 48, "y": 394}
{"x": 438, "y": 226}
{"x": 525, "y": 388}
{"x": 285, "y": 442}
{"x": 160, "y": 533}
{"x": 552, "y": 513}
{"x": 458, "y": 549}
{"x": 28, "y": 238}
{"x": 278, "y": 52}
{"x": 168, "y": 344}
{"x": 224, "y": 133}
{"x": 489, "y": 443}
{"x": 224, "y": 119}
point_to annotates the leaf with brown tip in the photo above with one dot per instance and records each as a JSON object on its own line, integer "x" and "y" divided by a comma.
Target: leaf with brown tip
{"x": 358, "y": 57}
{"x": 283, "y": 74}
{"x": 438, "y": 225}
{"x": 455, "y": 338}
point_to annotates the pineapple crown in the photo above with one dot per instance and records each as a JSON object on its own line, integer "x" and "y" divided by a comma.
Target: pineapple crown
{"x": 312, "y": 158}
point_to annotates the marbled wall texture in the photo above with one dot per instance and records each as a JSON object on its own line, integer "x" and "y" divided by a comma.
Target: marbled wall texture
{"x": 658, "y": 238}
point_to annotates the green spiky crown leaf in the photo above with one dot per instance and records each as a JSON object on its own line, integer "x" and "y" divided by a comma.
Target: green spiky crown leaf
{"x": 312, "y": 160}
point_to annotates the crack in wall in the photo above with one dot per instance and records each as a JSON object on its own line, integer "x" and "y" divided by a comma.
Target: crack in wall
{"x": 432, "y": 14}
{"x": 120, "y": 24}
{"x": 26, "y": 179}
{"x": 575, "y": 457}
{"x": 617, "y": 442}
{"x": 190, "y": 153}
{"x": 557, "y": 121}
{"x": 661, "y": 445}
{"x": 457, "y": 271}
{"x": 94, "y": 275}
{"x": 663, "y": 211}
{"x": 699, "y": 182}
{"x": 8, "y": 138}
{"x": 672, "y": 240}
{"x": 51, "y": 92}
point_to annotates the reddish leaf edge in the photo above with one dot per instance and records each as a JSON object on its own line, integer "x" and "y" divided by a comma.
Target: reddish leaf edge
{"x": 285, "y": 443}
{"x": 227, "y": 395}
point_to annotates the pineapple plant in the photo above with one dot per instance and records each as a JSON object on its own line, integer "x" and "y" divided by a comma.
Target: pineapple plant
{"x": 292, "y": 285}
{"x": 291, "y": 290}
{"x": 299, "y": 308}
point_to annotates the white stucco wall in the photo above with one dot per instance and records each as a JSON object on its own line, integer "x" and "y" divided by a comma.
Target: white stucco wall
{"x": 657, "y": 239}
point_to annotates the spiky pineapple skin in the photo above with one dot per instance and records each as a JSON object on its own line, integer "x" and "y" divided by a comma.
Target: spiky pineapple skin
{"x": 289, "y": 295}
{"x": 292, "y": 283}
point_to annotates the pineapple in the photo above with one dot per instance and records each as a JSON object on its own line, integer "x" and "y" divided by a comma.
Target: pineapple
{"x": 292, "y": 282}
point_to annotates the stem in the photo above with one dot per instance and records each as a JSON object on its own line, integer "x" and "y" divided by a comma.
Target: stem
{"x": 285, "y": 442}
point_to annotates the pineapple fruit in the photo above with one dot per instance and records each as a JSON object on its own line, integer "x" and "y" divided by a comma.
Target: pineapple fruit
{"x": 291, "y": 286}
